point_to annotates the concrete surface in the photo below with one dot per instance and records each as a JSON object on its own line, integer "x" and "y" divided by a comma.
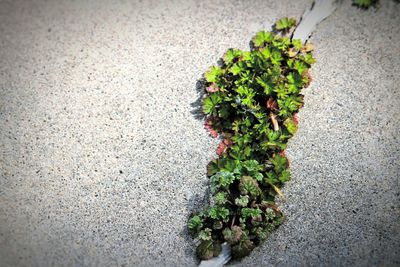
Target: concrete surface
{"x": 102, "y": 160}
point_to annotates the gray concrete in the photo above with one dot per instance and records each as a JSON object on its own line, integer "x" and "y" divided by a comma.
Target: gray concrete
{"x": 102, "y": 160}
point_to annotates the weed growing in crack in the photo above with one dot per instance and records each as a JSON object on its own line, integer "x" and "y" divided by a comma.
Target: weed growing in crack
{"x": 251, "y": 103}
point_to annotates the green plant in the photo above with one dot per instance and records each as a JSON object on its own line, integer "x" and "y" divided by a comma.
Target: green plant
{"x": 365, "y": 3}
{"x": 284, "y": 24}
{"x": 251, "y": 102}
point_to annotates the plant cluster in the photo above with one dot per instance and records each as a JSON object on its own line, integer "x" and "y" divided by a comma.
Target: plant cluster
{"x": 365, "y": 3}
{"x": 251, "y": 103}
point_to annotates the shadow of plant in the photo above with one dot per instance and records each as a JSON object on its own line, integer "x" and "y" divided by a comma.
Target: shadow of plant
{"x": 197, "y": 105}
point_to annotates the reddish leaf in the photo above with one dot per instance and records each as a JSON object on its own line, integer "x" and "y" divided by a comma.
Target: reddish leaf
{"x": 271, "y": 104}
{"x": 295, "y": 119}
{"x": 208, "y": 127}
{"x": 221, "y": 149}
{"x": 228, "y": 142}
{"x": 208, "y": 122}
{"x": 309, "y": 78}
{"x": 212, "y": 88}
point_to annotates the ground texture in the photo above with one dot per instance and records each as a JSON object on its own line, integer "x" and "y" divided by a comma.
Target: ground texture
{"x": 102, "y": 156}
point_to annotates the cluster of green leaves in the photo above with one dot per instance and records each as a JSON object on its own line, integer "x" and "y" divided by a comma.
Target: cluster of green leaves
{"x": 252, "y": 103}
{"x": 365, "y": 3}
{"x": 285, "y": 24}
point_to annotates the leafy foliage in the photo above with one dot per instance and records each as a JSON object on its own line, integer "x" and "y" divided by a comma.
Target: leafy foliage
{"x": 242, "y": 249}
{"x": 232, "y": 235}
{"x": 262, "y": 38}
{"x": 195, "y": 223}
{"x": 249, "y": 186}
{"x": 365, "y": 3}
{"x": 285, "y": 24}
{"x": 242, "y": 201}
{"x": 208, "y": 249}
{"x": 251, "y": 102}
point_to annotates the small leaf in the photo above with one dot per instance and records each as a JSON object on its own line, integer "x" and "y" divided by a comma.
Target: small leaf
{"x": 249, "y": 186}
{"x": 258, "y": 176}
{"x": 285, "y": 176}
{"x": 285, "y": 24}
{"x": 297, "y": 44}
{"x": 308, "y": 47}
{"x": 300, "y": 66}
{"x": 220, "y": 198}
{"x": 290, "y": 125}
{"x": 236, "y": 69}
{"x": 262, "y": 37}
{"x": 212, "y": 88}
{"x": 222, "y": 179}
{"x": 242, "y": 249}
{"x": 266, "y": 83}
{"x": 280, "y": 163}
{"x": 219, "y": 213}
{"x": 212, "y": 168}
{"x": 249, "y": 212}
{"x": 195, "y": 223}
{"x": 231, "y": 55}
{"x": 208, "y": 249}
{"x": 270, "y": 214}
{"x": 262, "y": 233}
{"x": 276, "y": 58}
{"x": 233, "y": 235}
{"x": 266, "y": 52}
{"x": 205, "y": 234}
{"x": 213, "y": 74}
{"x": 271, "y": 104}
{"x": 252, "y": 165}
{"x": 308, "y": 58}
{"x": 210, "y": 103}
{"x": 242, "y": 201}
{"x": 292, "y": 52}
{"x": 221, "y": 148}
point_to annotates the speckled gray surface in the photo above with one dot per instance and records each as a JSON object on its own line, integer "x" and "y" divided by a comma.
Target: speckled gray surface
{"x": 102, "y": 160}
